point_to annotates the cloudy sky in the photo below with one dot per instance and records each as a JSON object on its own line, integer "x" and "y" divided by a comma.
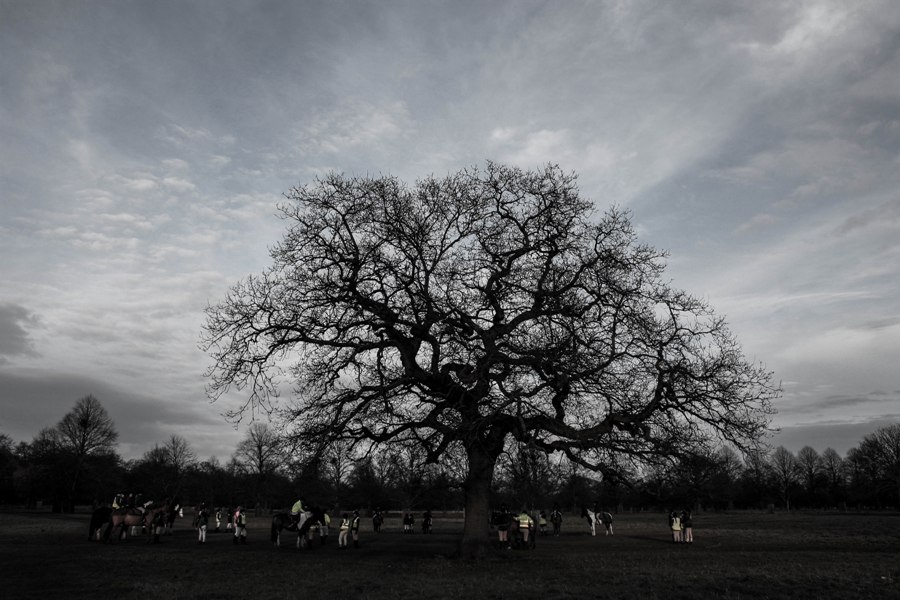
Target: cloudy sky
{"x": 145, "y": 144}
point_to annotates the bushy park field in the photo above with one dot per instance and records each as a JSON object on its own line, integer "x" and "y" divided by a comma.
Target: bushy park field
{"x": 735, "y": 555}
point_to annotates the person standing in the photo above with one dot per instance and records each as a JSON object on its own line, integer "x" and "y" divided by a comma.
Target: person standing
{"x": 675, "y": 526}
{"x": 526, "y": 523}
{"x": 408, "y": 521}
{"x": 354, "y": 528}
{"x": 501, "y": 520}
{"x": 240, "y": 526}
{"x": 324, "y": 524}
{"x": 556, "y": 519}
{"x": 202, "y": 522}
{"x": 687, "y": 527}
{"x": 344, "y": 531}
{"x": 218, "y": 518}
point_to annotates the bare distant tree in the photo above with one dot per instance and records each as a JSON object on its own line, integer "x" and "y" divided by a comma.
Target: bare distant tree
{"x": 729, "y": 462}
{"x": 180, "y": 454}
{"x": 261, "y": 453}
{"x": 473, "y": 311}
{"x": 337, "y": 464}
{"x": 833, "y": 468}
{"x": 85, "y": 431}
{"x": 785, "y": 473}
{"x": 881, "y": 450}
{"x": 161, "y": 470}
{"x": 809, "y": 463}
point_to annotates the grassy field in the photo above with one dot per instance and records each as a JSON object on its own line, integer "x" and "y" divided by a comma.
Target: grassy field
{"x": 736, "y": 555}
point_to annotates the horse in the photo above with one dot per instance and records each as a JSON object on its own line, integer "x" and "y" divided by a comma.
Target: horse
{"x": 121, "y": 519}
{"x": 377, "y": 521}
{"x": 173, "y": 510}
{"x": 99, "y": 518}
{"x": 302, "y": 525}
{"x": 592, "y": 519}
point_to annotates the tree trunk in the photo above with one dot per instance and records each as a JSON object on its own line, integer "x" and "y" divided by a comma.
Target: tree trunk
{"x": 475, "y": 540}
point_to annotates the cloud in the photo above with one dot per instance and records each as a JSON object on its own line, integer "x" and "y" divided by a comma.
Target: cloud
{"x": 356, "y": 124}
{"x": 761, "y": 220}
{"x": 15, "y": 324}
{"x": 176, "y": 164}
{"x": 840, "y": 436}
{"x": 178, "y": 184}
{"x": 34, "y": 400}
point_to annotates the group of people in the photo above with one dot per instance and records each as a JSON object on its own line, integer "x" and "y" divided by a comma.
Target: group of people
{"x": 349, "y": 527}
{"x": 409, "y": 520}
{"x": 524, "y": 523}
{"x": 521, "y": 523}
{"x": 682, "y": 526}
{"x": 235, "y": 520}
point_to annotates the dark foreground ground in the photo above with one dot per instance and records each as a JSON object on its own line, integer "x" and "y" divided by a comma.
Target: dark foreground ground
{"x": 737, "y": 555}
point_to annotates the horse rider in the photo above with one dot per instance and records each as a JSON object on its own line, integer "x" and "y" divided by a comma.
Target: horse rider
{"x": 118, "y": 501}
{"x": 296, "y": 510}
{"x": 526, "y": 524}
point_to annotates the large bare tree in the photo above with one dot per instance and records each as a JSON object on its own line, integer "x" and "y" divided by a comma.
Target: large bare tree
{"x": 466, "y": 312}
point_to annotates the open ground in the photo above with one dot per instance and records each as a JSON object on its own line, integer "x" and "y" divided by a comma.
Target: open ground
{"x": 736, "y": 555}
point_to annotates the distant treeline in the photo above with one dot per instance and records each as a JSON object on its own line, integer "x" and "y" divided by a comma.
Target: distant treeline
{"x": 75, "y": 463}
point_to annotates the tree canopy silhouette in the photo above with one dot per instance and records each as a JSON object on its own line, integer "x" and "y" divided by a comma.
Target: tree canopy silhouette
{"x": 465, "y": 313}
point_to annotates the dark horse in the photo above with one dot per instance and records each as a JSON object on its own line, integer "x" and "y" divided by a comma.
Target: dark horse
{"x": 173, "y": 510}
{"x": 121, "y": 519}
{"x": 301, "y": 524}
{"x": 377, "y": 521}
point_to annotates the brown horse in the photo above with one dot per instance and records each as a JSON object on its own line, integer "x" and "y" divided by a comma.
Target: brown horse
{"x": 123, "y": 518}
